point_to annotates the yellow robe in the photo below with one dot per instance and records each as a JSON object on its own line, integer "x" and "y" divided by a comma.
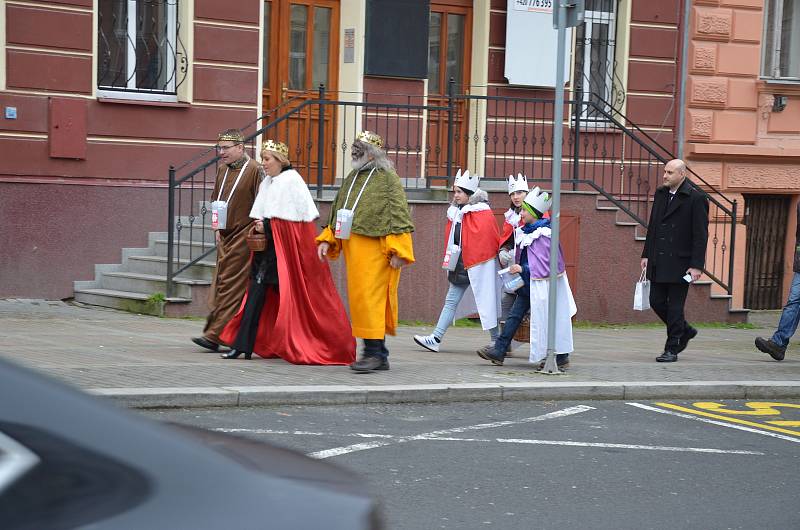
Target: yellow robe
{"x": 371, "y": 282}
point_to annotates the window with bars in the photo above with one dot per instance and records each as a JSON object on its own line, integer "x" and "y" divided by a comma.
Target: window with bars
{"x": 781, "y": 44}
{"x": 139, "y": 52}
{"x": 595, "y": 51}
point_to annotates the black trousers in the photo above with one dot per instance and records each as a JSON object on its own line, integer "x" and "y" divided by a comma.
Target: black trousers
{"x": 376, "y": 348}
{"x": 260, "y": 282}
{"x": 667, "y": 300}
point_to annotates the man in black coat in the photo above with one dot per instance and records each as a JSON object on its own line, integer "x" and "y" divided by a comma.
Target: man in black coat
{"x": 790, "y": 316}
{"x": 675, "y": 252}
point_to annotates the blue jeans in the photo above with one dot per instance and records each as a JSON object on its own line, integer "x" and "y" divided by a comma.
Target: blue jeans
{"x": 790, "y": 316}
{"x": 454, "y": 295}
{"x": 521, "y": 306}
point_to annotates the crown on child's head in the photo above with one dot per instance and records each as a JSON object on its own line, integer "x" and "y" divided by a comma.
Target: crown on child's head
{"x": 370, "y": 138}
{"x": 518, "y": 183}
{"x": 537, "y": 202}
{"x": 276, "y": 147}
{"x": 467, "y": 181}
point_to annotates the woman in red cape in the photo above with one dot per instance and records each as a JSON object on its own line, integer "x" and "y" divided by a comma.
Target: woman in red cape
{"x": 292, "y": 309}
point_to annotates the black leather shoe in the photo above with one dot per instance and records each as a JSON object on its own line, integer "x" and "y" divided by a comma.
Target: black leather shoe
{"x": 205, "y": 343}
{"x": 771, "y": 347}
{"x": 667, "y": 357}
{"x": 370, "y": 363}
{"x": 688, "y": 335}
{"x": 234, "y": 354}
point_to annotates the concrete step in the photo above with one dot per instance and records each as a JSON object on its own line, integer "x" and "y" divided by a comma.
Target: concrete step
{"x": 157, "y": 265}
{"x": 185, "y": 249}
{"x": 601, "y": 203}
{"x": 148, "y": 283}
{"x": 194, "y": 232}
{"x": 126, "y": 301}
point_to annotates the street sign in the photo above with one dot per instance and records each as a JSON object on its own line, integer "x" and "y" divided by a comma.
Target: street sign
{"x": 574, "y": 10}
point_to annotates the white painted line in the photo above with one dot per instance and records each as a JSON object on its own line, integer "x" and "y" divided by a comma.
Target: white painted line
{"x": 303, "y": 433}
{"x": 336, "y": 451}
{"x": 429, "y": 437}
{"x": 714, "y": 422}
{"x": 629, "y": 446}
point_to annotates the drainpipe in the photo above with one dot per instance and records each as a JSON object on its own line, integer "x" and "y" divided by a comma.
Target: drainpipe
{"x": 681, "y": 130}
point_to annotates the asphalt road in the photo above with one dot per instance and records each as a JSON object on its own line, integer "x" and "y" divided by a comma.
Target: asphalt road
{"x": 560, "y": 465}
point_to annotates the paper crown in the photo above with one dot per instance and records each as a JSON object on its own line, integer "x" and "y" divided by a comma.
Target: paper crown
{"x": 231, "y": 135}
{"x": 467, "y": 181}
{"x": 370, "y": 138}
{"x": 518, "y": 183}
{"x": 537, "y": 202}
{"x": 276, "y": 147}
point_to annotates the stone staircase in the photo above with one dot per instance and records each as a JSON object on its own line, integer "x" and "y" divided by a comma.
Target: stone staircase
{"x": 720, "y": 303}
{"x": 138, "y": 284}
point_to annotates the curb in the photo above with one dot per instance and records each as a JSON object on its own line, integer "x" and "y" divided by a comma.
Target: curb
{"x": 245, "y": 396}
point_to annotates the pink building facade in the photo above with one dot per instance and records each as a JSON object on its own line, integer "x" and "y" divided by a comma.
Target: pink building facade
{"x": 743, "y": 131}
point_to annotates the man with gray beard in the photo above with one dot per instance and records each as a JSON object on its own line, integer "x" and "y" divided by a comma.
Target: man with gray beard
{"x": 370, "y": 222}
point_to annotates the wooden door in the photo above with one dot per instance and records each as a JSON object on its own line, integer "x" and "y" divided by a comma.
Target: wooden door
{"x": 449, "y": 54}
{"x": 301, "y": 51}
{"x": 766, "y": 218}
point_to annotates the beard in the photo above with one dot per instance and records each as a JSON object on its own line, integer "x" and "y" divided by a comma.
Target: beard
{"x": 359, "y": 162}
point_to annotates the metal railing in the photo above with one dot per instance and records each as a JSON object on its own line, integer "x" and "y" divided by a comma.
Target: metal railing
{"x": 498, "y": 135}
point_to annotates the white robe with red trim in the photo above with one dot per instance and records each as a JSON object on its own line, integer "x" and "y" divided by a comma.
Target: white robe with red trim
{"x": 480, "y": 229}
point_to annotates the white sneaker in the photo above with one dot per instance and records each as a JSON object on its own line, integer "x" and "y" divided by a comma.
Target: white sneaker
{"x": 427, "y": 341}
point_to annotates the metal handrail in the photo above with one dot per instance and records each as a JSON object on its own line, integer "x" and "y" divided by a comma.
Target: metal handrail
{"x": 667, "y": 151}
{"x": 633, "y": 203}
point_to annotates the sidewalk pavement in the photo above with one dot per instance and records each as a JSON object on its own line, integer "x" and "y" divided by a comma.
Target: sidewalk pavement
{"x": 143, "y": 361}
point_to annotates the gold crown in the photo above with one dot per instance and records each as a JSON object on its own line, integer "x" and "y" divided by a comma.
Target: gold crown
{"x": 370, "y": 138}
{"x": 276, "y": 147}
{"x": 231, "y": 135}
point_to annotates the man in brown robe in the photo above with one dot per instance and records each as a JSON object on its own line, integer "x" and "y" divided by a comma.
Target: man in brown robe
{"x": 238, "y": 178}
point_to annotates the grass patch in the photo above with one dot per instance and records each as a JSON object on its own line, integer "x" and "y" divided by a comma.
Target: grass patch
{"x": 413, "y": 323}
{"x": 156, "y": 298}
{"x": 467, "y": 323}
{"x": 583, "y": 324}
{"x": 460, "y": 323}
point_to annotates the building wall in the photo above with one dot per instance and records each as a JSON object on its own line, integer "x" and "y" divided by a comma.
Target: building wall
{"x": 734, "y": 137}
{"x": 77, "y": 164}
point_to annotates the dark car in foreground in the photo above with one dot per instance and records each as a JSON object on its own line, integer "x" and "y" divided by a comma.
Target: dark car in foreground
{"x": 70, "y": 460}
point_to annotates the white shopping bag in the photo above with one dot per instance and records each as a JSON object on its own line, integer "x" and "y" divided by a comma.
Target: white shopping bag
{"x": 641, "y": 296}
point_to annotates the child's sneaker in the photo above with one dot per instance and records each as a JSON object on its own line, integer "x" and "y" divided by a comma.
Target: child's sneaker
{"x": 428, "y": 342}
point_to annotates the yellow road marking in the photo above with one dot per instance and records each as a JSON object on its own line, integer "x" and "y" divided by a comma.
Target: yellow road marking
{"x": 785, "y": 423}
{"x": 728, "y": 419}
{"x": 758, "y": 408}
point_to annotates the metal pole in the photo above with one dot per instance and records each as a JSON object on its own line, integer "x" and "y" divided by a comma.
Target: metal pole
{"x": 733, "y": 247}
{"x": 684, "y": 72}
{"x": 577, "y": 107}
{"x": 450, "y": 89}
{"x": 550, "y": 365}
{"x": 170, "y": 231}
{"x": 320, "y": 139}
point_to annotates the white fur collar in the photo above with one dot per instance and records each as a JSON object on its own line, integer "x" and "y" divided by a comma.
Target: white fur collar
{"x": 477, "y": 203}
{"x": 523, "y": 240}
{"x": 512, "y": 217}
{"x": 286, "y": 197}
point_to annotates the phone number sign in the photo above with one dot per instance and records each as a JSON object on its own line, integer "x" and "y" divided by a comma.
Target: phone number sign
{"x": 540, "y": 6}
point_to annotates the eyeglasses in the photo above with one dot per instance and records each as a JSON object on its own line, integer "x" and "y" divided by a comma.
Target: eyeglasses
{"x": 222, "y": 148}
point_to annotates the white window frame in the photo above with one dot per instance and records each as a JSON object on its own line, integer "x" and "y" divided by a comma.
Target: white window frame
{"x": 591, "y": 18}
{"x": 131, "y": 92}
{"x": 774, "y": 48}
